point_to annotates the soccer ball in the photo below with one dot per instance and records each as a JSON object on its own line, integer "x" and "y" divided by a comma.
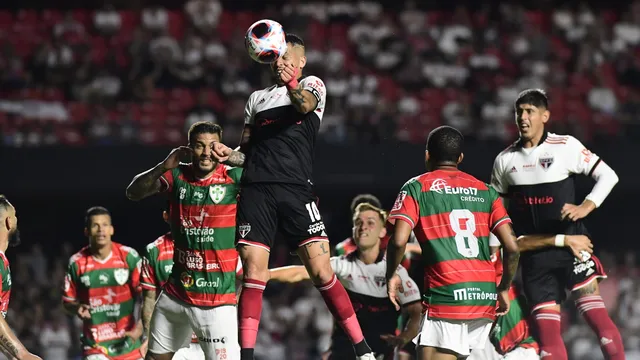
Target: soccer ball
{"x": 265, "y": 41}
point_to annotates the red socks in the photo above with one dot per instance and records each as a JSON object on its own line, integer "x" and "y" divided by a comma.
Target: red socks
{"x": 550, "y": 336}
{"x": 592, "y": 308}
{"x": 338, "y": 302}
{"x": 250, "y": 309}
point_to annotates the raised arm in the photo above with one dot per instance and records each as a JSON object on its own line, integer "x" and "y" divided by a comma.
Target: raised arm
{"x": 10, "y": 346}
{"x": 149, "y": 182}
{"x": 289, "y": 274}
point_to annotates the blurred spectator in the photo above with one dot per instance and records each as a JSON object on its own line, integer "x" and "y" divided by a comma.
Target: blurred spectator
{"x": 55, "y": 338}
{"x": 155, "y": 19}
{"x": 200, "y": 112}
{"x": 107, "y": 20}
{"x": 204, "y": 14}
{"x": 69, "y": 28}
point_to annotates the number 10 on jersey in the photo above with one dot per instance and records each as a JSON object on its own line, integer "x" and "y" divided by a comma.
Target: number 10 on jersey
{"x": 463, "y": 224}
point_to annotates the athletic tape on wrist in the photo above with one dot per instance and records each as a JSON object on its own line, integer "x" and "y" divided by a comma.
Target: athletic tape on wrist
{"x": 560, "y": 240}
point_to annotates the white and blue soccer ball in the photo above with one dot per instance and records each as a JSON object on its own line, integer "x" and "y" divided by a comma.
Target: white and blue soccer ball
{"x": 265, "y": 41}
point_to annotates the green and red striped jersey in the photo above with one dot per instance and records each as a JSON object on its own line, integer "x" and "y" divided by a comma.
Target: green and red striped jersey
{"x": 512, "y": 330}
{"x": 452, "y": 214}
{"x": 110, "y": 287}
{"x": 5, "y": 277}
{"x": 157, "y": 262}
{"x": 203, "y": 221}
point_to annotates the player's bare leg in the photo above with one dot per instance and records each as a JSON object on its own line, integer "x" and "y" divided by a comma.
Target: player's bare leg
{"x": 432, "y": 353}
{"x": 591, "y": 307}
{"x": 549, "y": 319}
{"x": 255, "y": 261}
{"x": 315, "y": 257}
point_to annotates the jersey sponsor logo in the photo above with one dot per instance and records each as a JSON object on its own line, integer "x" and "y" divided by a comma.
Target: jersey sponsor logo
{"x": 546, "y": 160}
{"x": 440, "y": 186}
{"x": 316, "y": 228}
{"x": 473, "y": 294}
{"x": 193, "y": 260}
{"x": 106, "y": 332}
{"x": 529, "y": 167}
{"x": 183, "y": 193}
{"x": 217, "y": 193}
{"x": 186, "y": 280}
{"x": 399, "y": 200}
{"x": 533, "y": 200}
{"x": 198, "y": 195}
{"x": 222, "y": 340}
{"x": 244, "y": 229}
{"x": 121, "y": 276}
{"x": 203, "y": 235}
{"x": 84, "y": 279}
{"x": 200, "y": 283}
{"x": 266, "y": 122}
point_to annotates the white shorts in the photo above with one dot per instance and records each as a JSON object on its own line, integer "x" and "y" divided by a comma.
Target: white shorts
{"x": 521, "y": 353}
{"x": 173, "y": 322}
{"x": 488, "y": 353}
{"x": 193, "y": 352}
{"x": 455, "y": 335}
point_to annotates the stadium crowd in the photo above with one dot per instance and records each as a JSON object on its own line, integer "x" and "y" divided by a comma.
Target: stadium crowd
{"x": 113, "y": 76}
{"x": 109, "y": 76}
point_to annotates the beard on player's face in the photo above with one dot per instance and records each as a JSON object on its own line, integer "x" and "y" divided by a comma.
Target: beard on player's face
{"x": 203, "y": 163}
{"x": 14, "y": 237}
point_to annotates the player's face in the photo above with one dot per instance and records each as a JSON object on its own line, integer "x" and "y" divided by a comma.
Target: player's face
{"x": 530, "y": 121}
{"x": 202, "y": 147}
{"x": 368, "y": 229}
{"x": 99, "y": 230}
{"x": 293, "y": 57}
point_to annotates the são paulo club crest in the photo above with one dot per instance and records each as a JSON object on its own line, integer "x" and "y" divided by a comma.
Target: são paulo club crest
{"x": 546, "y": 160}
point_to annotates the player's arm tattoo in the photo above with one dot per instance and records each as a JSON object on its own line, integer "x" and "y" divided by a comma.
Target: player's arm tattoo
{"x": 146, "y": 183}
{"x": 148, "y": 304}
{"x": 236, "y": 158}
{"x": 9, "y": 343}
{"x": 303, "y": 100}
{"x": 314, "y": 251}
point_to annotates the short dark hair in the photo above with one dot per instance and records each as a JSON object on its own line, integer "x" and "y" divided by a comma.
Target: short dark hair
{"x": 444, "y": 144}
{"x": 365, "y": 198}
{"x": 294, "y": 39}
{"x": 203, "y": 127}
{"x": 535, "y": 97}
{"x": 95, "y": 211}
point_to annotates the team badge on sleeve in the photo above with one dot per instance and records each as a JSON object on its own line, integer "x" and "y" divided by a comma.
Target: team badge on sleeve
{"x": 399, "y": 200}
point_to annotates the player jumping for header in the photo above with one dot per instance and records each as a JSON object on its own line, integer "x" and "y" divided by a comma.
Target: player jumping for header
{"x": 452, "y": 214}
{"x": 200, "y": 294}
{"x": 276, "y": 150}
{"x": 535, "y": 175}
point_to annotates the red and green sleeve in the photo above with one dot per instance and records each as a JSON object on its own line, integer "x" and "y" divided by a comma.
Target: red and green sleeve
{"x": 167, "y": 180}
{"x": 406, "y": 206}
{"x": 499, "y": 214}
{"x": 69, "y": 293}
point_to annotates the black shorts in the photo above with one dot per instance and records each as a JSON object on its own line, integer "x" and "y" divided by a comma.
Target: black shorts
{"x": 266, "y": 209}
{"x": 547, "y": 274}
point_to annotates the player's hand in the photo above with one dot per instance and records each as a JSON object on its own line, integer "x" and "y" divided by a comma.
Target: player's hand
{"x": 394, "y": 287}
{"x": 173, "y": 160}
{"x": 395, "y": 341}
{"x": 287, "y": 73}
{"x": 413, "y": 249}
{"x": 577, "y": 212}
{"x": 136, "y": 332}
{"x": 503, "y": 303}
{"x": 579, "y": 244}
{"x": 144, "y": 347}
{"x": 84, "y": 312}
{"x": 221, "y": 152}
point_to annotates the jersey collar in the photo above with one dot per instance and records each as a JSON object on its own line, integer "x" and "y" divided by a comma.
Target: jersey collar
{"x": 542, "y": 139}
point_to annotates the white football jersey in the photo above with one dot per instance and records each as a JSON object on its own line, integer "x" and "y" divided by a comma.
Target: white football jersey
{"x": 538, "y": 182}
{"x": 367, "y": 288}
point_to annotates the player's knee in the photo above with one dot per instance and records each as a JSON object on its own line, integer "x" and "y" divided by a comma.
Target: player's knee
{"x": 255, "y": 272}
{"x": 320, "y": 273}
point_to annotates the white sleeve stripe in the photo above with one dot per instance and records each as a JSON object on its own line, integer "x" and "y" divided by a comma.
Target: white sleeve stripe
{"x": 164, "y": 181}
{"x": 405, "y": 218}
{"x": 500, "y": 223}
